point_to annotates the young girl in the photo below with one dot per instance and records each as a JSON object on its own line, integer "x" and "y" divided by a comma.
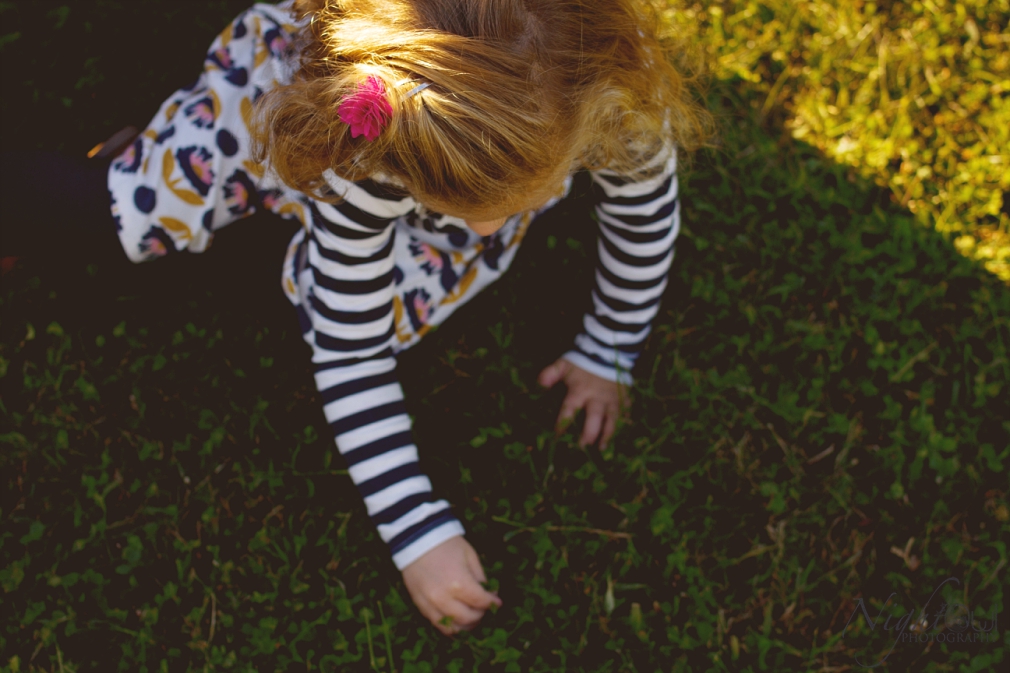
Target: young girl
{"x": 416, "y": 141}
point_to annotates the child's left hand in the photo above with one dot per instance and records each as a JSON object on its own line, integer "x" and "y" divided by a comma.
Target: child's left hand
{"x": 603, "y": 400}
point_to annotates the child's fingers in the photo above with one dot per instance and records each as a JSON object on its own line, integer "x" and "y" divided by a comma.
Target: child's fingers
{"x": 446, "y": 625}
{"x": 463, "y": 616}
{"x": 473, "y": 564}
{"x": 430, "y": 612}
{"x": 594, "y": 422}
{"x": 609, "y": 425}
{"x": 568, "y": 409}
{"x": 553, "y": 373}
{"x": 574, "y": 400}
{"x": 475, "y": 596}
{"x": 471, "y": 592}
{"x": 449, "y": 615}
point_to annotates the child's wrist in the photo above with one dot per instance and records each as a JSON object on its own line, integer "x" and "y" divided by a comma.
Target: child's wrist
{"x": 427, "y": 541}
{"x": 611, "y": 373}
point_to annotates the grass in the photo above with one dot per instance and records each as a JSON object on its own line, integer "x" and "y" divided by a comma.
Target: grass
{"x": 912, "y": 95}
{"x": 820, "y": 423}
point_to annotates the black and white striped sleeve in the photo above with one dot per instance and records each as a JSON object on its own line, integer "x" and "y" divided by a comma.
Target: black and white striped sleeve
{"x": 350, "y": 254}
{"x": 638, "y": 222}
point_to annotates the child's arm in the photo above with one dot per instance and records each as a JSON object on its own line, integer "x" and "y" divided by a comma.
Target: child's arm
{"x": 638, "y": 223}
{"x": 351, "y": 260}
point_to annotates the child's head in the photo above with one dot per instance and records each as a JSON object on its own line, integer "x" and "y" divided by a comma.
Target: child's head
{"x": 520, "y": 92}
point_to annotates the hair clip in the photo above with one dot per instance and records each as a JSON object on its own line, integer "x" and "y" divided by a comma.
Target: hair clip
{"x": 418, "y": 89}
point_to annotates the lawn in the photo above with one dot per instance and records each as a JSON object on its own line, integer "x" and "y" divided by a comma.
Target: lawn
{"x": 820, "y": 420}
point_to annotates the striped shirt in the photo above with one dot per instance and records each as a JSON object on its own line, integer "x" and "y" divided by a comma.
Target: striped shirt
{"x": 350, "y": 324}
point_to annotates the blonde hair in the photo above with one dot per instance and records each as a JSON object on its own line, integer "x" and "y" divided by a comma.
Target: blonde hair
{"x": 520, "y": 91}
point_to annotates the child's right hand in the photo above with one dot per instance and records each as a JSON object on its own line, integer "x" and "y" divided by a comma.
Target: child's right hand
{"x": 446, "y": 582}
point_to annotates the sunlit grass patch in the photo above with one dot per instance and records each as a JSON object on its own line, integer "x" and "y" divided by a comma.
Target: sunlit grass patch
{"x": 915, "y": 95}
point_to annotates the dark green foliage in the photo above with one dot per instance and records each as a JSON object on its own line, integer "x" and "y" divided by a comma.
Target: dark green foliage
{"x": 821, "y": 416}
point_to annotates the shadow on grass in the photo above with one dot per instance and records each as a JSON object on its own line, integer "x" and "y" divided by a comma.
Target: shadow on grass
{"x": 820, "y": 417}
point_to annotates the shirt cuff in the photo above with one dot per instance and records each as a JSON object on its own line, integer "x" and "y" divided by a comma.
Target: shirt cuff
{"x": 427, "y": 542}
{"x": 609, "y": 373}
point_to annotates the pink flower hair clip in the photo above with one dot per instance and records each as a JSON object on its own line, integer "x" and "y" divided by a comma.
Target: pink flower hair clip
{"x": 366, "y": 110}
